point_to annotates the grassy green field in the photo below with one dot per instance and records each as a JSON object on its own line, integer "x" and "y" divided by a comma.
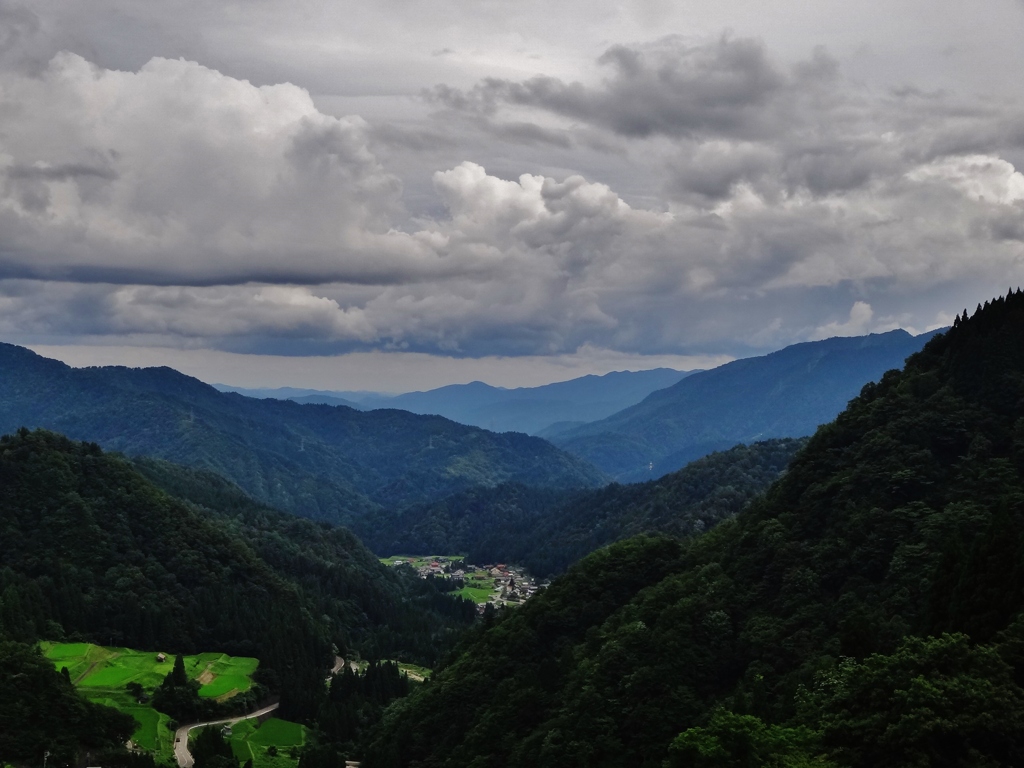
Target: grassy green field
{"x": 101, "y": 673}
{"x": 94, "y": 666}
{"x": 415, "y": 671}
{"x": 478, "y": 594}
{"x": 251, "y": 740}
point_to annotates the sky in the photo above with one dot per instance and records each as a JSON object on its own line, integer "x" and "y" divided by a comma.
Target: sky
{"x": 398, "y": 195}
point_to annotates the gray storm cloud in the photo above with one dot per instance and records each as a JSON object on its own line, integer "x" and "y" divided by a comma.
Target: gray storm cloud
{"x": 179, "y": 174}
{"x": 768, "y": 203}
{"x": 680, "y": 90}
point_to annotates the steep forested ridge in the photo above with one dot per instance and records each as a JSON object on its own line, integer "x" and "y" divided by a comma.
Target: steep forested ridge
{"x": 90, "y": 548}
{"x": 784, "y": 394}
{"x": 547, "y": 530}
{"x": 323, "y": 462}
{"x": 866, "y": 611}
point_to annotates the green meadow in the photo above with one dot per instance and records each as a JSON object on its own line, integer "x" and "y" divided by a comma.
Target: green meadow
{"x": 478, "y": 590}
{"x": 415, "y": 672}
{"x": 256, "y": 741}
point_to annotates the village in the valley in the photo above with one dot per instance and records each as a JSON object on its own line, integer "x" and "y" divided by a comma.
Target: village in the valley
{"x": 497, "y": 584}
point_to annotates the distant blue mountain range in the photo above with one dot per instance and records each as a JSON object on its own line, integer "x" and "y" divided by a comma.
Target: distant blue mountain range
{"x": 636, "y": 426}
{"x": 524, "y": 409}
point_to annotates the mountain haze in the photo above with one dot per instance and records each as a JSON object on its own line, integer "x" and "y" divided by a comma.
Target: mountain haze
{"x": 532, "y": 409}
{"x": 523, "y": 409}
{"x": 784, "y": 394}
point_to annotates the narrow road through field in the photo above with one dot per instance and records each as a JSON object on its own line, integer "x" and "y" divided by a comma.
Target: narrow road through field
{"x": 181, "y": 753}
{"x": 184, "y": 757}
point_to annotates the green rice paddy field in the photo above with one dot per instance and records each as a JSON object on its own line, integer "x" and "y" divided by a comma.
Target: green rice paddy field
{"x": 250, "y": 739}
{"x": 102, "y": 673}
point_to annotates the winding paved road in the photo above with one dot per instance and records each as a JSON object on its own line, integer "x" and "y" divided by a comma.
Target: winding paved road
{"x": 181, "y": 753}
{"x": 184, "y": 757}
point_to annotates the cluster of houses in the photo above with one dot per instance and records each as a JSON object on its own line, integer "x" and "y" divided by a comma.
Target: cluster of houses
{"x": 511, "y": 584}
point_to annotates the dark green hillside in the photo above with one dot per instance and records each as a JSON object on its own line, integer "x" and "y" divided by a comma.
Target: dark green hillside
{"x": 90, "y": 548}
{"x": 323, "y": 462}
{"x": 788, "y": 393}
{"x": 694, "y": 499}
{"x": 380, "y": 613}
{"x": 547, "y": 530}
{"x": 868, "y": 610}
{"x": 41, "y": 712}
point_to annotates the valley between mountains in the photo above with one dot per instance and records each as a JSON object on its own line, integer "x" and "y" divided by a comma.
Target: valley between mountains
{"x": 811, "y": 558}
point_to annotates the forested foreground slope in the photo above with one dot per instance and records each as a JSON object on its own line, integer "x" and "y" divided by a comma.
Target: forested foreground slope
{"x": 866, "y": 611}
{"x": 547, "y": 530}
{"x": 318, "y": 461}
{"x": 91, "y": 549}
{"x": 41, "y": 712}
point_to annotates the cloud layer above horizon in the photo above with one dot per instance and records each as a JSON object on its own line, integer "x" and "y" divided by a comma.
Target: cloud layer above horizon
{"x": 699, "y": 192}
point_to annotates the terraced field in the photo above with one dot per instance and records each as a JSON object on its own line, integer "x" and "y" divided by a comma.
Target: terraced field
{"x": 102, "y": 673}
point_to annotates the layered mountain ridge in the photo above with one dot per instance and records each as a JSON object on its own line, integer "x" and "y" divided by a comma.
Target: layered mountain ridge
{"x": 531, "y": 410}
{"x": 319, "y": 461}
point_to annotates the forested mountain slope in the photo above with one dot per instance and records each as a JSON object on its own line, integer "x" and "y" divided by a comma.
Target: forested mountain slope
{"x": 91, "y": 549}
{"x": 548, "y": 530}
{"x": 785, "y": 394}
{"x": 323, "y": 462}
{"x": 866, "y": 611}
